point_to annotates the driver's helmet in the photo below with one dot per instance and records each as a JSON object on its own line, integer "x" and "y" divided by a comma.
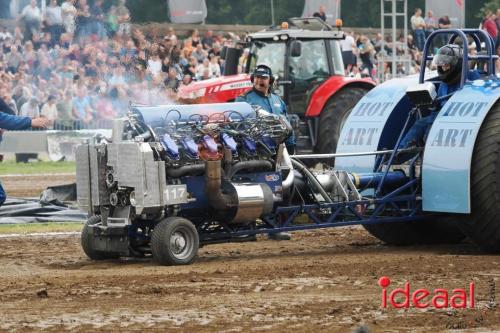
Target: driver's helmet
{"x": 450, "y": 54}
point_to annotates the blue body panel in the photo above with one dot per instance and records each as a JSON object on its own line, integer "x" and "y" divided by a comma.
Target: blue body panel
{"x": 374, "y": 124}
{"x": 450, "y": 145}
{"x": 158, "y": 116}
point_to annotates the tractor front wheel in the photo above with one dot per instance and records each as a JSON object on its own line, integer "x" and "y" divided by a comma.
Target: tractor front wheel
{"x": 174, "y": 241}
{"x": 440, "y": 230}
{"x": 88, "y": 241}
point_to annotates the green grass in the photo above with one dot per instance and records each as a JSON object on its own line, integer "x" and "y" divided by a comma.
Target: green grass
{"x": 28, "y": 228}
{"x": 10, "y": 167}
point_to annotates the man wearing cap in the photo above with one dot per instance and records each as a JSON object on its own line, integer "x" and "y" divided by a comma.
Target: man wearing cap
{"x": 261, "y": 95}
{"x": 10, "y": 122}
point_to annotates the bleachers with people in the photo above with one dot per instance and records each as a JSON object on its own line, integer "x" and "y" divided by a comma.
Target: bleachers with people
{"x": 360, "y": 64}
{"x": 83, "y": 64}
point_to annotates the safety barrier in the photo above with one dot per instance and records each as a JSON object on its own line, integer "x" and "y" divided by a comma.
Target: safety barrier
{"x": 58, "y": 144}
{"x": 79, "y": 125}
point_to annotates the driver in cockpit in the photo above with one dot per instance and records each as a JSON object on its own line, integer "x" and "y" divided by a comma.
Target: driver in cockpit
{"x": 448, "y": 61}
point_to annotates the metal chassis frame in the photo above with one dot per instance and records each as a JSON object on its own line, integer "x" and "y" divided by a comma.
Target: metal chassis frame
{"x": 404, "y": 202}
{"x": 341, "y": 213}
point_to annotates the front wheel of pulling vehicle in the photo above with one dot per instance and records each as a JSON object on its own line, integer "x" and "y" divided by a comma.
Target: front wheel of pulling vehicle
{"x": 438, "y": 230}
{"x": 88, "y": 241}
{"x": 174, "y": 241}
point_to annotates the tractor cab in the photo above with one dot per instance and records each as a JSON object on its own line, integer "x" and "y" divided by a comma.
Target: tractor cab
{"x": 302, "y": 53}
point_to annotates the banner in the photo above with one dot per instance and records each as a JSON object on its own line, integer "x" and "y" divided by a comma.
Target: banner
{"x": 187, "y": 11}
{"x": 332, "y": 9}
{"x": 454, "y": 9}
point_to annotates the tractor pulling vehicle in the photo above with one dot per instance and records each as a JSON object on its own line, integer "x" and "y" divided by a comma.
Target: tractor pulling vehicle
{"x": 176, "y": 177}
{"x": 304, "y": 55}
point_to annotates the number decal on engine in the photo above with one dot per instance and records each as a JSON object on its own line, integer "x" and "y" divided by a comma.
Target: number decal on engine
{"x": 175, "y": 194}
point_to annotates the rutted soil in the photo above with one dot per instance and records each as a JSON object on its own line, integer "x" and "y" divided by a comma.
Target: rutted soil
{"x": 320, "y": 281}
{"x": 33, "y": 185}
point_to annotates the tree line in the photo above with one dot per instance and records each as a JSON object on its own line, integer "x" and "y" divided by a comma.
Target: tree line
{"x": 258, "y": 12}
{"x": 355, "y": 13}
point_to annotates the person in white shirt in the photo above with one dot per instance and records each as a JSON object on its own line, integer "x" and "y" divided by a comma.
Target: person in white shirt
{"x": 5, "y": 34}
{"x": 348, "y": 46}
{"x": 200, "y": 70}
{"x": 418, "y": 27}
{"x": 123, "y": 18}
{"x": 154, "y": 64}
{"x": 68, "y": 12}
{"x": 53, "y": 21}
{"x": 30, "y": 109}
{"x": 31, "y": 16}
{"x": 49, "y": 110}
{"x": 214, "y": 66}
{"x": 171, "y": 35}
{"x": 431, "y": 23}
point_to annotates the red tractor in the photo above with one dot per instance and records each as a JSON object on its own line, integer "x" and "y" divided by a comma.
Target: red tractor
{"x": 305, "y": 56}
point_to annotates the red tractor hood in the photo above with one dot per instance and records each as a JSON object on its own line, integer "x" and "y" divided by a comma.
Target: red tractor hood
{"x": 217, "y": 90}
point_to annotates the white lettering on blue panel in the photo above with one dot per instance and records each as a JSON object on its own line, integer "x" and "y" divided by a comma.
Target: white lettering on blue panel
{"x": 450, "y": 146}
{"x": 359, "y": 136}
{"x": 364, "y": 126}
{"x": 451, "y": 137}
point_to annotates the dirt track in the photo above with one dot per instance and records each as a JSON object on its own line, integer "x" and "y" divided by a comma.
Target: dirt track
{"x": 33, "y": 185}
{"x": 320, "y": 281}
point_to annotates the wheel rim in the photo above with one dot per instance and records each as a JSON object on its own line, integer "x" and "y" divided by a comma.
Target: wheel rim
{"x": 181, "y": 243}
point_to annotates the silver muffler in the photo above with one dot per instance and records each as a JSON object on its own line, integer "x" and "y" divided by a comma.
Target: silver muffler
{"x": 239, "y": 202}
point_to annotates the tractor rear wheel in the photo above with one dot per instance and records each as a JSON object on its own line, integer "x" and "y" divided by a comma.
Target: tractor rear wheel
{"x": 333, "y": 116}
{"x": 441, "y": 230}
{"x": 174, "y": 241}
{"x": 482, "y": 226}
{"x": 88, "y": 242}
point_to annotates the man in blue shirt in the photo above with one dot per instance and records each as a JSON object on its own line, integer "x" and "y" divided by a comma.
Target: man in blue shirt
{"x": 261, "y": 95}
{"x": 448, "y": 61}
{"x": 10, "y": 122}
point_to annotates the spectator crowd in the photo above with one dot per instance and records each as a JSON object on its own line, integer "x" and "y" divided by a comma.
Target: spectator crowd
{"x": 81, "y": 65}
{"x": 361, "y": 54}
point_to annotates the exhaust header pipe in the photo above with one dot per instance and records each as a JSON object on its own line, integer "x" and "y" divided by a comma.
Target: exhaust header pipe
{"x": 239, "y": 203}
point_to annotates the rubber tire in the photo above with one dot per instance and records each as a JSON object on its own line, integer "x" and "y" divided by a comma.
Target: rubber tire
{"x": 334, "y": 112}
{"x": 160, "y": 241}
{"x": 442, "y": 230}
{"x": 87, "y": 241}
{"x": 482, "y": 226}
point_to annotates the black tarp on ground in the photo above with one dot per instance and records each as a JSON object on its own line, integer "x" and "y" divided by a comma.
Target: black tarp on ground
{"x": 51, "y": 207}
